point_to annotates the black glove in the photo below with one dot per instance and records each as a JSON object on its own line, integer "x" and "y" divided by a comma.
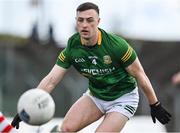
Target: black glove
{"x": 159, "y": 113}
{"x": 15, "y": 121}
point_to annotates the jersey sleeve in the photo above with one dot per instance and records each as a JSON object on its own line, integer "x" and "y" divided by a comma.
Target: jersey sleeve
{"x": 125, "y": 52}
{"x": 63, "y": 59}
{"x": 128, "y": 56}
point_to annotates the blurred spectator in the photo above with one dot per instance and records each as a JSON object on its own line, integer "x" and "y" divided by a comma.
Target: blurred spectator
{"x": 176, "y": 78}
{"x": 34, "y": 35}
{"x": 51, "y": 34}
{"x": 176, "y": 108}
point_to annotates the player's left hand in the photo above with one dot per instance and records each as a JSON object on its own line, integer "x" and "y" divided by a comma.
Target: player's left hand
{"x": 15, "y": 122}
{"x": 159, "y": 113}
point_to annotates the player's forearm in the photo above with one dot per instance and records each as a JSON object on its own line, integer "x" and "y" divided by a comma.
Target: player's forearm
{"x": 46, "y": 84}
{"x": 52, "y": 79}
{"x": 147, "y": 88}
{"x": 137, "y": 71}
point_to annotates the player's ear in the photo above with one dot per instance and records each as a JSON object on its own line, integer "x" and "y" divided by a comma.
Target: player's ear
{"x": 99, "y": 20}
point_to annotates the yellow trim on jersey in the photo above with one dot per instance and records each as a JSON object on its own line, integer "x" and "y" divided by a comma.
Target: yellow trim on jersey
{"x": 127, "y": 55}
{"x": 99, "y": 38}
{"x": 61, "y": 57}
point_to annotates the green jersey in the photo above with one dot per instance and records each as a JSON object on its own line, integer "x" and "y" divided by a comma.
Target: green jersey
{"x": 103, "y": 64}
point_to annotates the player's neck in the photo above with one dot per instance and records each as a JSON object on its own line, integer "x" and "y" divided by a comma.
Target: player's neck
{"x": 91, "y": 41}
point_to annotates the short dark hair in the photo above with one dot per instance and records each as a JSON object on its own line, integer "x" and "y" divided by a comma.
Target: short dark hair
{"x": 86, "y": 6}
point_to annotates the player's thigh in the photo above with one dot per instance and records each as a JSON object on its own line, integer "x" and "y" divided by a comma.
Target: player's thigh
{"x": 113, "y": 122}
{"x": 82, "y": 113}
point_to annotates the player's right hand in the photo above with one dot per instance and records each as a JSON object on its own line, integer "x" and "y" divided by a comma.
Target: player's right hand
{"x": 15, "y": 122}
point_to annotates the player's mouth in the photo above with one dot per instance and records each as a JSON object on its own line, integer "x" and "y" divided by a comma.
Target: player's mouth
{"x": 84, "y": 32}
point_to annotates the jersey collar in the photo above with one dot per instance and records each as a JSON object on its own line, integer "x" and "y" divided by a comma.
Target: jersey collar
{"x": 99, "y": 38}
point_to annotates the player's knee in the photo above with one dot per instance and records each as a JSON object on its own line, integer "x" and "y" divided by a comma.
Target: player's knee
{"x": 67, "y": 128}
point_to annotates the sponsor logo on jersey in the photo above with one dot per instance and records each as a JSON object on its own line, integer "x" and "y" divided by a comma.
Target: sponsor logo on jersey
{"x": 93, "y": 59}
{"x": 97, "y": 71}
{"x": 79, "y": 60}
{"x": 107, "y": 59}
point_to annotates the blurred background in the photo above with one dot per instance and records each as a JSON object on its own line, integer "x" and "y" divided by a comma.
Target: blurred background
{"x": 33, "y": 32}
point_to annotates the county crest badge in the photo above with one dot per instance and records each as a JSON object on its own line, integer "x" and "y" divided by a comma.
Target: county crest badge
{"x": 107, "y": 59}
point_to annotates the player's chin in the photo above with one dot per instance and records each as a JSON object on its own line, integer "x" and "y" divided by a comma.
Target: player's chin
{"x": 85, "y": 36}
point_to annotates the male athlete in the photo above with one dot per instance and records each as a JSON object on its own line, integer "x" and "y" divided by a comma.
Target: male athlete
{"x": 112, "y": 67}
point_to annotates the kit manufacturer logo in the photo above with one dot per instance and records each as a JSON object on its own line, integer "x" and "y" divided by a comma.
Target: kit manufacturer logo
{"x": 79, "y": 60}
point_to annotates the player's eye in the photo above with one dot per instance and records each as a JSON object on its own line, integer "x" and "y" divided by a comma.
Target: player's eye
{"x": 80, "y": 19}
{"x": 89, "y": 20}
